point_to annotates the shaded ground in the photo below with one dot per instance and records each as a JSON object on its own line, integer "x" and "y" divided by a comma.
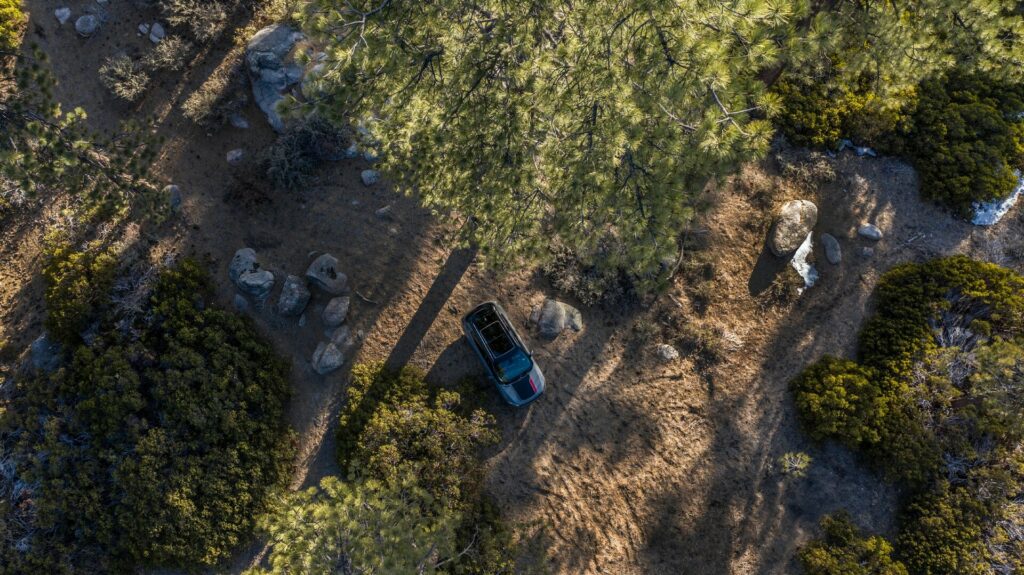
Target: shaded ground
{"x": 626, "y": 465}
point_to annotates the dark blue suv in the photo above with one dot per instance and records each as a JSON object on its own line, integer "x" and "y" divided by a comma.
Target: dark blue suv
{"x": 506, "y": 358}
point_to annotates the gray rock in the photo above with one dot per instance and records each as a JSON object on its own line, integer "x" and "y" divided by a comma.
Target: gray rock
{"x": 62, "y": 15}
{"x": 384, "y": 213}
{"x": 87, "y": 25}
{"x": 370, "y": 156}
{"x": 324, "y": 273}
{"x": 352, "y": 152}
{"x": 327, "y": 358}
{"x": 795, "y": 221}
{"x": 666, "y": 352}
{"x": 239, "y": 121}
{"x": 369, "y": 177}
{"x": 867, "y": 252}
{"x": 294, "y": 296}
{"x": 553, "y": 317}
{"x": 336, "y": 311}
{"x": 266, "y": 60}
{"x": 144, "y": 29}
{"x": 833, "y": 252}
{"x": 257, "y": 284}
{"x": 342, "y": 338}
{"x": 234, "y": 157}
{"x": 243, "y": 261}
{"x": 241, "y": 304}
{"x": 45, "y": 354}
{"x": 869, "y": 231}
{"x": 173, "y": 194}
{"x": 157, "y": 33}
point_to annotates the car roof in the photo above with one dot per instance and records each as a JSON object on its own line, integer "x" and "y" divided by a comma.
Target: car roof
{"x": 487, "y": 320}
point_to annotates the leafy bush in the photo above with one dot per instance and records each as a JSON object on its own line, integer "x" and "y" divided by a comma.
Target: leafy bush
{"x": 12, "y": 19}
{"x": 839, "y": 398}
{"x": 77, "y": 285}
{"x": 967, "y": 138}
{"x": 156, "y": 451}
{"x": 124, "y": 77}
{"x": 942, "y": 534}
{"x": 220, "y": 96}
{"x": 297, "y": 153}
{"x": 844, "y": 551}
{"x": 206, "y": 19}
{"x": 170, "y": 54}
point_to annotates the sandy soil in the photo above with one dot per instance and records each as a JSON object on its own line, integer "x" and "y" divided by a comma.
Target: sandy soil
{"x": 626, "y": 465}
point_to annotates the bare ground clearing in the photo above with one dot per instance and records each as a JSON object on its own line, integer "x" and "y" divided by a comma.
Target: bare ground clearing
{"x": 626, "y": 465}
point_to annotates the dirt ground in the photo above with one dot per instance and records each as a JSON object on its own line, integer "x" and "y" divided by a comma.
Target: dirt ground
{"x": 626, "y": 465}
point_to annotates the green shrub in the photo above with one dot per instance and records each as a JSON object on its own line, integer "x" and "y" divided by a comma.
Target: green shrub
{"x": 12, "y": 20}
{"x": 844, "y": 551}
{"x": 77, "y": 285}
{"x": 124, "y": 77}
{"x": 293, "y": 159}
{"x": 155, "y": 451}
{"x": 966, "y": 139}
{"x": 941, "y": 534}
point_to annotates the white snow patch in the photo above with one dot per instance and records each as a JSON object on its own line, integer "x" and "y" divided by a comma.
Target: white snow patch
{"x": 989, "y": 213}
{"x": 806, "y": 269}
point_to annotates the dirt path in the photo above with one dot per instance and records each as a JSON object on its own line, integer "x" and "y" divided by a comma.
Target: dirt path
{"x": 626, "y": 465}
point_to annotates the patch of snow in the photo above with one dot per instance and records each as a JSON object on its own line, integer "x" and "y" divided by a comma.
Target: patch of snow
{"x": 989, "y": 213}
{"x": 799, "y": 262}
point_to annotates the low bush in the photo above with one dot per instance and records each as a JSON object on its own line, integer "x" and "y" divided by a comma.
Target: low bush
{"x": 205, "y": 19}
{"x": 844, "y": 551}
{"x": 590, "y": 283}
{"x": 293, "y": 159}
{"x": 942, "y": 534}
{"x": 12, "y": 20}
{"x": 124, "y": 77}
{"x": 967, "y": 139}
{"x": 156, "y": 450}
{"x": 218, "y": 98}
{"x": 78, "y": 283}
{"x": 171, "y": 54}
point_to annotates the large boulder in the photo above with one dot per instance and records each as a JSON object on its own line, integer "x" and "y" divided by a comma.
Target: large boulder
{"x": 243, "y": 261}
{"x": 87, "y": 25}
{"x": 272, "y": 69}
{"x": 795, "y": 221}
{"x": 324, "y": 273}
{"x": 666, "y": 352}
{"x": 336, "y": 311}
{"x": 553, "y": 317}
{"x": 327, "y": 358}
{"x": 294, "y": 296}
{"x": 257, "y": 284}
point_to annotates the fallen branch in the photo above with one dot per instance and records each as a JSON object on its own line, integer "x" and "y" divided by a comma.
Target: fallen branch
{"x": 366, "y": 299}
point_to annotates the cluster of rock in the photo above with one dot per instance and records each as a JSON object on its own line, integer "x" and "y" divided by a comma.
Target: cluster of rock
{"x": 323, "y": 274}
{"x": 792, "y": 236}
{"x": 155, "y": 31}
{"x": 553, "y": 317}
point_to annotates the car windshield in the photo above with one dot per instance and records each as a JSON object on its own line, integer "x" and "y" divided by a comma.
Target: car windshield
{"x": 513, "y": 365}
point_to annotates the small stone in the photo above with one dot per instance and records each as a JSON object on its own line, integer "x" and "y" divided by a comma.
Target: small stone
{"x": 324, "y": 273}
{"x": 87, "y": 25}
{"x": 144, "y": 29}
{"x": 235, "y": 156}
{"x": 327, "y": 358}
{"x": 243, "y": 261}
{"x": 241, "y": 304}
{"x": 369, "y": 177}
{"x": 867, "y": 252}
{"x": 156, "y": 33}
{"x": 62, "y": 15}
{"x": 869, "y": 231}
{"x": 239, "y": 121}
{"x": 342, "y": 338}
{"x": 302, "y": 320}
{"x": 173, "y": 194}
{"x": 257, "y": 284}
{"x": 666, "y": 352}
{"x": 384, "y": 213}
{"x": 352, "y": 152}
{"x": 294, "y": 296}
{"x": 370, "y": 156}
{"x": 336, "y": 311}
{"x": 833, "y": 252}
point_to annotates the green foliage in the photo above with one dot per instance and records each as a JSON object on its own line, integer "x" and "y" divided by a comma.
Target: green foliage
{"x": 967, "y": 139}
{"x": 45, "y": 147}
{"x": 297, "y": 153}
{"x": 844, "y": 551}
{"x": 589, "y": 282}
{"x": 12, "y": 20}
{"x": 366, "y": 526}
{"x": 839, "y": 398}
{"x": 124, "y": 77}
{"x": 77, "y": 285}
{"x": 794, "y": 464}
{"x": 942, "y": 534}
{"x": 546, "y": 123}
{"x": 155, "y": 451}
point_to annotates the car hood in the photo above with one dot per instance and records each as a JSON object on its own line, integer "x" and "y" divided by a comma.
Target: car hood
{"x": 526, "y": 388}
